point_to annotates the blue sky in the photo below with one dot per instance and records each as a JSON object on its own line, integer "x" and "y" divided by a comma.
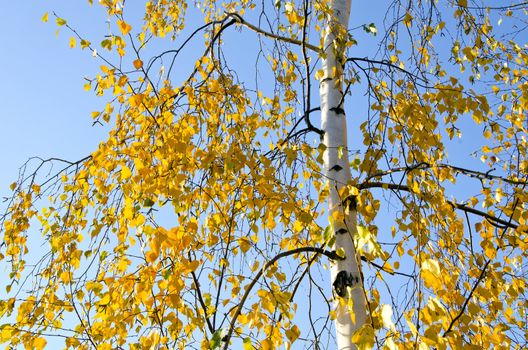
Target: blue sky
{"x": 45, "y": 111}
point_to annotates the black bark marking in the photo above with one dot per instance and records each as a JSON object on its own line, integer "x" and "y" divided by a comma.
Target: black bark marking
{"x": 350, "y": 203}
{"x": 343, "y": 280}
{"x": 338, "y": 110}
{"x": 341, "y": 231}
{"x": 324, "y": 80}
{"x": 334, "y": 256}
{"x": 336, "y": 167}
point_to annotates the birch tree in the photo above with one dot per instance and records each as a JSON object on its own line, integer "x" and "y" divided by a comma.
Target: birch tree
{"x": 347, "y": 280}
{"x": 226, "y": 189}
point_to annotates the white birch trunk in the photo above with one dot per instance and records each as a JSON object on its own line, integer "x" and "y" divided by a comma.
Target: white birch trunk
{"x": 346, "y": 276}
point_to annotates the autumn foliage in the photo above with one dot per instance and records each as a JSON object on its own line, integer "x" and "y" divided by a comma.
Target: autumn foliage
{"x": 201, "y": 220}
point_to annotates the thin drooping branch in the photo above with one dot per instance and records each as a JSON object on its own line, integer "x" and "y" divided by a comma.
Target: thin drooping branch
{"x": 309, "y": 263}
{"x": 202, "y": 302}
{"x": 309, "y": 128}
{"x": 293, "y": 133}
{"x": 479, "y": 279}
{"x": 491, "y": 218}
{"x": 498, "y": 222}
{"x": 498, "y": 8}
{"x": 306, "y": 62}
{"x": 224, "y": 265}
{"x": 256, "y": 29}
{"x": 178, "y": 50}
{"x": 468, "y": 172}
{"x": 225, "y": 24}
{"x": 330, "y": 254}
{"x": 385, "y": 63}
{"x": 379, "y": 267}
{"x": 50, "y": 160}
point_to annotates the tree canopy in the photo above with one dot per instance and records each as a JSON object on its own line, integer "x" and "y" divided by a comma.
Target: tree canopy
{"x": 202, "y": 220}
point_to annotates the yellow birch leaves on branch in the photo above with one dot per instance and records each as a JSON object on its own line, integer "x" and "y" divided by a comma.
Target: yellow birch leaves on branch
{"x": 201, "y": 220}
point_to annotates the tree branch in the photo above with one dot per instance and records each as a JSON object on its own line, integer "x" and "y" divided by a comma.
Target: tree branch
{"x": 464, "y": 171}
{"x": 507, "y": 7}
{"x": 330, "y": 254}
{"x": 385, "y": 63}
{"x": 491, "y": 218}
{"x": 379, "y": 267}
{"x": 477, "y": 282}
{"x": 202, "y": 302}
{"x": 256, "y": 29}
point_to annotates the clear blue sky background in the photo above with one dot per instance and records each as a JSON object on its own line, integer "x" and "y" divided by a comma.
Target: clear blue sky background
{"x": 45, "y": 111}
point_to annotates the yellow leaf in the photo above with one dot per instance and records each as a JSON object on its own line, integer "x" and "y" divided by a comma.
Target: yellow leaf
{"x": 125, "y": 172}
{"x": 107, "y": 44}
{"x": 135, "y": 100}
{"x": 431, "y": 265}
{"x": 489, "y": 250}
{"x": 266, "y": 344}
{"x": 60, "y": 21}
{"x": 6, "y": 333}
{"x": 138, "y": 221}
{"x": 416, "y": 187}
{"x": 353, "y": 190}
{"x": 84, "y": 43}
{"x": 431, "y": 274}
{"x": 386, "y": 316}
{"x": 124, "y": 27}
{"x": 412, "y": 326}
{"x": 470, "y": 54}
{"x": 105, "y": 300}
{"x": 293, "y": 333}
{"x": 407, "y": 20}
{"x": 244, "y": 244}
{"x": 35, "y": 188}
{"x": 104, "y": 346}
{"x": 73, "y": 42}
{"x": 388, "y": 267}
{"x": 192, "y": 266}
{"x": 138, "y": 63}
{"x": 45, "y": 17}
{"x": 247, "y": 344}
{"x": 495, "y": 89}
{"x": 364, "y": 337}
{"x": 151, "y": 256}
{"x": 65, "y": 276}
{"x": 122, "y": 80}
{"x": 298, "y": 226}
{"x": 39, "y": 343}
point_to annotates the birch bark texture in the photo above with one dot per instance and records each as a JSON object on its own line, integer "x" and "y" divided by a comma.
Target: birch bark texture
{"x": 346, "y": 277}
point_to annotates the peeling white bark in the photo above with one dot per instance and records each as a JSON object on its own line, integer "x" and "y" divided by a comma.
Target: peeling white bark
{"x": 346, "y": 275}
